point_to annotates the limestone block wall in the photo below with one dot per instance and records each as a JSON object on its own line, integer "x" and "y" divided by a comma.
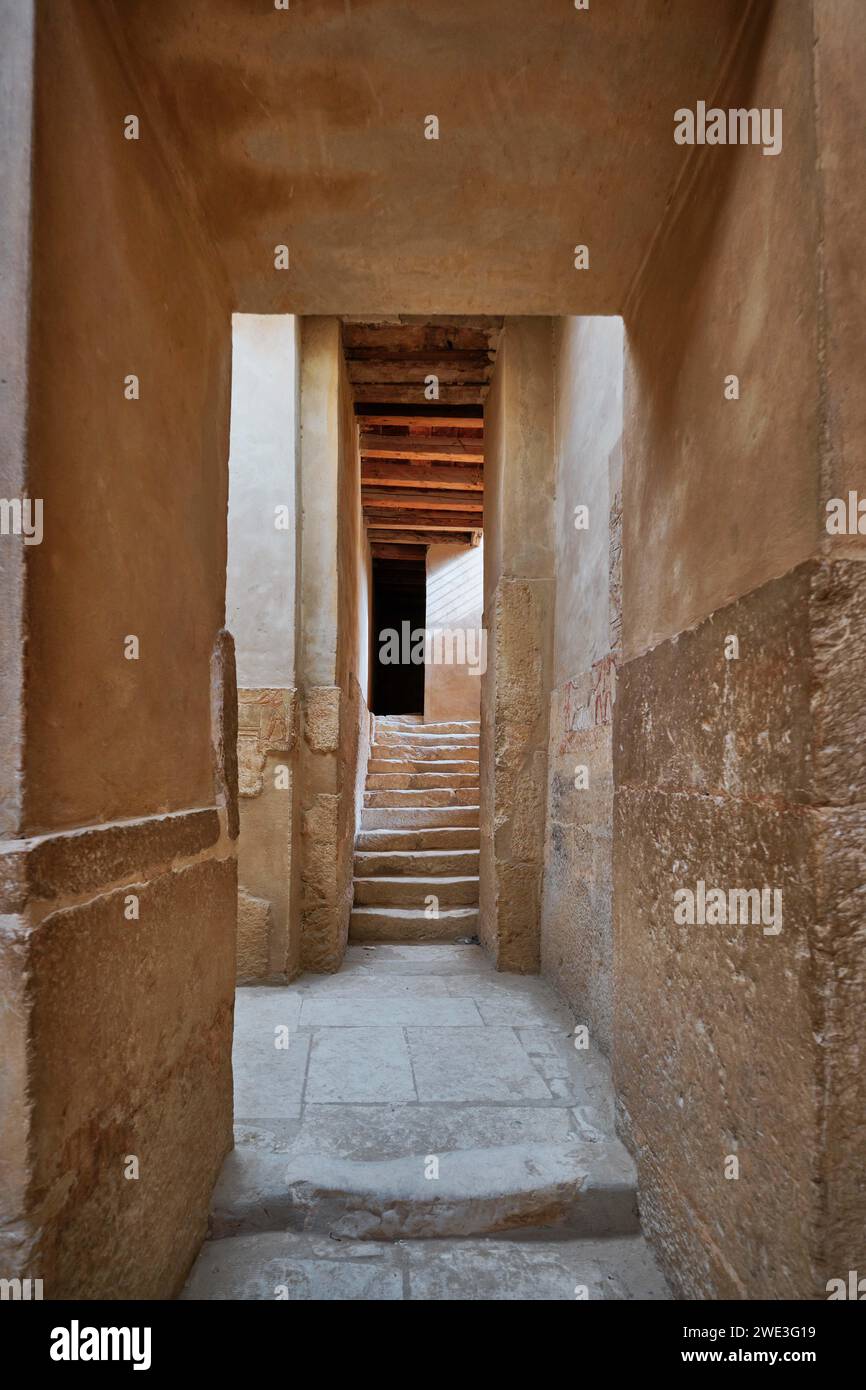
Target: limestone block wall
{"x": 119, "y": 881}
{"x": 331, "y": 770}
{"x": 840, "y": 55}
{"x": 518, "y": 616}
{"x": 736, "y": 765}
{"x": 323, "y": 896}
{"x": 749, "y": 1038}
{"x": 576, "y": 915}
{"x": 267, "y": 740}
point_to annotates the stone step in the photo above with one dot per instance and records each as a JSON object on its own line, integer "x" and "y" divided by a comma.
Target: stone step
{"x": 448, "y": 753}
{"x": 585, "y": 1189}
{"x": 442, "y": 837}
{"x": 412, "y": 924}
{"x": 416, "y": 781}
{"x": 383, "y": 752}
{"x": 410, "y": 891}
{"x": 427, "y": 796}
{"x": 265, "y": 1266}
{"x": 406, "y": 738}
{"x": 466, "y": 726}
{"x": 418, "y": 817}
{"x": 416, "y": 863}
{"x": 423, "y": 765}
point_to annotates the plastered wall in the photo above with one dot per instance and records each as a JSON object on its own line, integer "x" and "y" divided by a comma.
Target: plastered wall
{"x": 263, "y": 558}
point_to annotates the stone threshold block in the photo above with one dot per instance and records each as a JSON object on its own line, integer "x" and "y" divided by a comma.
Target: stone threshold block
{"x": 301, "y": 1268}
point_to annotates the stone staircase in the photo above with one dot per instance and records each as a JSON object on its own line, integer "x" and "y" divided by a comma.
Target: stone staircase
{"x": 416, "y": 855}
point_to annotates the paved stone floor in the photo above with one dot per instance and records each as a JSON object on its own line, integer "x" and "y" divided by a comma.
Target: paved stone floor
{"x": 428, "y": 1132}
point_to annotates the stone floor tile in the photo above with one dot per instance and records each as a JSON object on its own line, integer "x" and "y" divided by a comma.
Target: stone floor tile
{"x": 336, "y": 1011}
{"x": 472, "y": 1064}
{"x": 360, "y": 1064}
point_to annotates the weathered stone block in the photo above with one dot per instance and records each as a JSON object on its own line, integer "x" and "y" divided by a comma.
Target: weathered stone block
{"x": 254, "y": 926}
{"x": 837, "y": 600}
{"x": 266, "y": 724}
{"x": 714, "y": 1052}
{"x": 324, "y": 935}
{"x": 742, "y": 725}
{"x": 518, "y": 902}
{"x": 322, "y": 718}
{"x": 82, "y": 861}
{"x": 840, "y": 961}
{"x": 519, "y": 634}
{"x": 131, "y": 1025}
{"x": 319, "y": 875}
{"x": 319, "y": 821}
{"x": 577, "y": 927}
{"x": 514, "y": 763}
{"x": 527, "y": 830}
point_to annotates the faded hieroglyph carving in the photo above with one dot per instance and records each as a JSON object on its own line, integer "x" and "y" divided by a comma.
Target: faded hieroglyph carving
{"x": 266, "y": 724}
{"x": 588, "y": 700}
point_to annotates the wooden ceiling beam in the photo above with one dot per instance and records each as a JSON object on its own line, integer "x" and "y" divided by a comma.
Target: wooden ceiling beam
{"x": 380, "y": 473}
{"x": 489, "y": 322}
{"x": 405, "y": 559}
{"x": 412, "y": 393}
{"x": 432, "y": 421}
{"x": 446, "y": 355}
{"x": 419, "y": 337}
{"x": 399, "y": 372}
{"x": 427, "y": 521}
{"x": 409, "y": 446}
{"x": 422, "y": 537}
{"x": 409, "y": 562}
{"x": 373, "y": 499}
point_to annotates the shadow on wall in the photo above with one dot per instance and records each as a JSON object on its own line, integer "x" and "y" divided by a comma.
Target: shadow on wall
{"x": 453, "y": 585}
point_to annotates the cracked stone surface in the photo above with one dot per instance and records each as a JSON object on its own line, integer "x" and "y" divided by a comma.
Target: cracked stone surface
{"x": 419, "y": 1126}
{"x": 282, "y": 1266}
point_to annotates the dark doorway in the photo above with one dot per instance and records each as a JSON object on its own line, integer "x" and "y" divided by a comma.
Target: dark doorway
{"x": 399, "y": 597}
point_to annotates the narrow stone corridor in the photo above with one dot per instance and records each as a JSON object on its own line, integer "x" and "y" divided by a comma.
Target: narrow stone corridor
{"x": 429, "y": 1131}
{"x": 416, "y": 855}
{"x": 433, "y": 680}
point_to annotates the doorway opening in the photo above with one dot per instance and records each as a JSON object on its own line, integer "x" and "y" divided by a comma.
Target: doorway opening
{"x": 399, "y": 607}
{"x": 419, "y": 388}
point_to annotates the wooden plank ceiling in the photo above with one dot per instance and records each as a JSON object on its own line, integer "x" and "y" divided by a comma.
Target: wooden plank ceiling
{"x": 422, "y": 461}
